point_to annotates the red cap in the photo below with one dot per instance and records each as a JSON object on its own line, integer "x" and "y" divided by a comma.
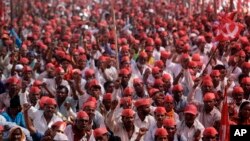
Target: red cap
{"x": 169, "y": 98}
{"x": 128, "y": 91}
{"x": 35, "y": 90}
{"x": 177, "y": 87}
{"x": 82, "y": 114}
{"x": 246, "y": 65}
{"x": 143, "y": 54}
{"x": 42, "y": 101}
{"x": 159, "y": 63}
{"x": 241, "y": 53}
{"x": 158, "y": 82}
{"x": 156, "y": 70}
{"x": 76, "y": 71}
{"x": 166, "y": 76}
{"x": 124, "y": 71}
{"x": 24, "y": 60}
{"x": 107, "y": 96}
{"x": 37, "y": 83}
{"x": 60, "y": 125}
{"x": 142, "y": 102}
{"x": 245, "y": 80}
{"x": 191, "y": 109}
{"x": 215, "y": 73}
{"x": 153, "y": 91}
{"x": 150, "y": 42}
{"x": 158, "y": 41}
{"x": 161, "y": 132}
{"x": 196, "y": 57}
{"x": 207, "y": 83}
{"x": 238, "y": 90}
{"x": 160, "y": 110}
{"x": 210, "y": 131}
{"x": 89, "y": 72}
{"x": 137, "y": 81}
{"x": 93, "y": 83}
{"x": 192, "y": 64}
{"x": 149, "y": 48}
{"x": 59, "y": 70}
{"x": 124, "y": 100}
{"x": 27, "y": 69}
{"x": 208, "y": 96}
{"x": 13, "y": 80}
{"x": 50, "y": 65}
{"x": 169, "y": 122}
{"x": 91, "y": 104}
{"x": 100, "y": 131}
{"x": 50, "y": 101}
{"x": 125, "y": 59}
{"x": 165, "y": 54}
{"x": 128, "y": 113}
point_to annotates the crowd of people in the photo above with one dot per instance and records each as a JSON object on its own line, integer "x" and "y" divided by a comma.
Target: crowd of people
{"x": 128, "y": 70}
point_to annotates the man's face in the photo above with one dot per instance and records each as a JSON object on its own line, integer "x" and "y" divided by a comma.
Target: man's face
{"x": 90, "y": 111}
{"x": 96, "y": 92}
{"x": 209, "y": 104}
{"x": 189, "y": 118}
{"x": 82, "y": 123}
{"x": 128, "y": 120}
{"x": 171, "y": 129}
{"x": 34, "y": 97}
{"x": 160, "y": 117}
{"x": 49, "y": 109}
{"x": 145, "y": 109}
{"x": 61, "y": 94}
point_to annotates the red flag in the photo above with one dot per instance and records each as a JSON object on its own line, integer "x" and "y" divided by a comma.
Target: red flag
{"x": 228, "y": 30}
{"x": 224, "y": 129}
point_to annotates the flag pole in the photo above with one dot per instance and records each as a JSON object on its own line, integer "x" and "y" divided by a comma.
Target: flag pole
{"x": 115, "y": 33}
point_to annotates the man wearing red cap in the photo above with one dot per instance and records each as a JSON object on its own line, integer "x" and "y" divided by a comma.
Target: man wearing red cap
{"x": 124, "y": 128}
{"x": 169, "y": 106}
{"x": 209, "y": 114}
{"x": 43, "y": 119}
{"x": 140, "y": 68}
{"x": 238, "y": 96}
{"x": 140, "y": 90}
{"x": 13, "y": 84}
{"x": 161, "y": 134}
{"x": 180, "y": 101}
{"x": 159, "y": 115}
{"x": 210, "y": 134}
{"x": 81, "y": 129}
{"x": 170, "y": 125}
{"x": 143, "y": 118}
{"x": 102, "y": 134}
{"x": 190, "y": 127}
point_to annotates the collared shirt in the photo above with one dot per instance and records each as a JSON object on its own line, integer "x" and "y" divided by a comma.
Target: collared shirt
{"x": 208, "y": 119}
{"x": 183, "y": 129}
{"x": 148, "y": 121}
{"x": 119, "y": 130}
{"x": 62, "y": 109}
{"x": 39, "y": 120}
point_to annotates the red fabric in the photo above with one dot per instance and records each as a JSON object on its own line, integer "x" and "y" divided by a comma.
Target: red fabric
{"x": 224, "y": 129}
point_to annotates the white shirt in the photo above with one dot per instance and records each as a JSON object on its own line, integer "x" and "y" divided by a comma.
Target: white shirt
{"x": 70, "y": 134}
{"x": 182, "y": 129}
{"x": 148, "y": 121}
{"x": 119, "y": 130}
{"x": 40, "y": 122}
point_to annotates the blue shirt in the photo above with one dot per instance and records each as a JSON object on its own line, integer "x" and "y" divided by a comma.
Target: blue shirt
{"x": 19, "y": 119}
